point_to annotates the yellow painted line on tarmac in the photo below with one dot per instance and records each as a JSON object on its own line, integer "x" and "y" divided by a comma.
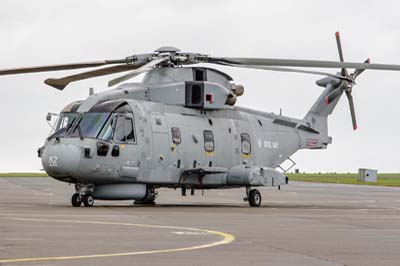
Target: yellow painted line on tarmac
{"x": 227, "y": 238}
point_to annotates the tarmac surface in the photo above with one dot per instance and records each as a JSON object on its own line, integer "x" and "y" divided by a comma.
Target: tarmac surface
{"x": 302, "y": 224}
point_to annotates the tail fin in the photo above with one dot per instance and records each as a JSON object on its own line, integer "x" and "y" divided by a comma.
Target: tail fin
{"x": 317, "y": 116}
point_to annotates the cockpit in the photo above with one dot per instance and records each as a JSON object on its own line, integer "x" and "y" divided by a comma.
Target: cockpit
{"x": 108, "y": 121}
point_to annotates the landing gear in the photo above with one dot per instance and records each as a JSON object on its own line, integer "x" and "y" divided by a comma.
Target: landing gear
{"x": 83, "y": 195}
{"x": 253, "y": 197}
{"x": 88, "y": 200}
{"x": 150, "y": 197}
{"x": 76, "y": 200}
{"x": 145, "y": 201}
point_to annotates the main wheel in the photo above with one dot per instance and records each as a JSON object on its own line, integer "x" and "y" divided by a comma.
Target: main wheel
{"x": 150, "y": 197}
{"x": 145, "y": 201}
{"x": 88, "y": 200}
{"x": 254, "y": 198}
{"x": 76, "y": 200}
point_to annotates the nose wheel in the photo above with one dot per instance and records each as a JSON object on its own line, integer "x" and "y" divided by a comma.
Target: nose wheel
{"x": 86, "y": 199}
{"x": 83, "y": 195}
{"x": 76, "y": 200}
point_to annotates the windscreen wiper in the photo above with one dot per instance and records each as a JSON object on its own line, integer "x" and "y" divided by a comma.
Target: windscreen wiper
{"x": 80, "y": 132}
{"x": 70, "y": 124}
{"x": 58, "y": 132}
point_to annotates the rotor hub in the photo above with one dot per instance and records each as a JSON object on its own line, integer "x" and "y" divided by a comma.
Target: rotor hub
{"x": 167, "y": 49}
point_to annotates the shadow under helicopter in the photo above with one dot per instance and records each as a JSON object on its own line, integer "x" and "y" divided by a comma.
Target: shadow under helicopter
{"x": 244, "y": 206}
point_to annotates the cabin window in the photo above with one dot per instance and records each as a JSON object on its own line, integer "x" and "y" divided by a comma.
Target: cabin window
{"x": 124, "y": 130}
{"x": 209, "y": 145}
{"x": 176, "y": 135}
{"x": 246, "y": 143}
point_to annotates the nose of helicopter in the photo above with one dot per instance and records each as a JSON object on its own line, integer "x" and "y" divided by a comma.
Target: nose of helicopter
{"x": 61, "y": 160}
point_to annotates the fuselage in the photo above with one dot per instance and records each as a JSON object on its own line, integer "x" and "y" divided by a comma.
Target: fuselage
{"x": 169, "y": 140}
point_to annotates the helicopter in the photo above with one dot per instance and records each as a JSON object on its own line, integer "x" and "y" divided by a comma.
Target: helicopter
{"x": 180, "y": 128}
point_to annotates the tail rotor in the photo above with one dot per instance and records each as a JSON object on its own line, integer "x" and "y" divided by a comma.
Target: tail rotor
{"x": 347, "y": 83}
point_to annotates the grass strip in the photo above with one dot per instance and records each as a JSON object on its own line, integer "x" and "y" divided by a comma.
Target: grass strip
{"x": 23, "y": 174}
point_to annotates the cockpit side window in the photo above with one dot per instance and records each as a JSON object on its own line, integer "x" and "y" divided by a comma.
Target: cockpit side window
{"x": 107, "y": 131}
{"x": 64, "y": 120}
{"x": 124, "y": 129}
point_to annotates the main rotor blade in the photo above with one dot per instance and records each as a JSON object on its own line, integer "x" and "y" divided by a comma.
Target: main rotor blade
{"x": 61, "y": 83}
{"x": 352, "y": 112}
{"x": 140, "y": 70}
{"x": 293, "y": 70}
{"x": 35, "y": 69}
{"x": 298, "y": 63}
{"x": 358, "y": 71}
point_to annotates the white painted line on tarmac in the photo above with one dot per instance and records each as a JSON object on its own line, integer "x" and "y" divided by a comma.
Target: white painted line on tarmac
{"x": 226, "y": 239}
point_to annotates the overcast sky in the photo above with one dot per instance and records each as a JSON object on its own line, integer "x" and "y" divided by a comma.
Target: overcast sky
{"x": 54, "y": 32}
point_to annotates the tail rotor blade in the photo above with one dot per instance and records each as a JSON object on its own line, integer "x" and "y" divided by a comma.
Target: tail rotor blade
{"x": 333, "y": 95}
{"x": 339, "y": 46}
{"x": 352, "y": 112}
{"x": 358, "y": 71}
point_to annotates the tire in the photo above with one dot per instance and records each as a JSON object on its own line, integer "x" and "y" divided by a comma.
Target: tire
{"x": 88, "y": 200}
{"x": 254, "y": 198}
{"x": 145, "y": 201}
{"x": 76, "y": 200}
{"x": 149, "y": 199}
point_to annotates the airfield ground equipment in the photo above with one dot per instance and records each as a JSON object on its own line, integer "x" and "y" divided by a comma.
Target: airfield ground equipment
{"x": 367, "y": 175}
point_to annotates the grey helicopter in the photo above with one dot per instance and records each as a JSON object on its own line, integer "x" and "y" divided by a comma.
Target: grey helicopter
{"x": 180, "y": 128}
